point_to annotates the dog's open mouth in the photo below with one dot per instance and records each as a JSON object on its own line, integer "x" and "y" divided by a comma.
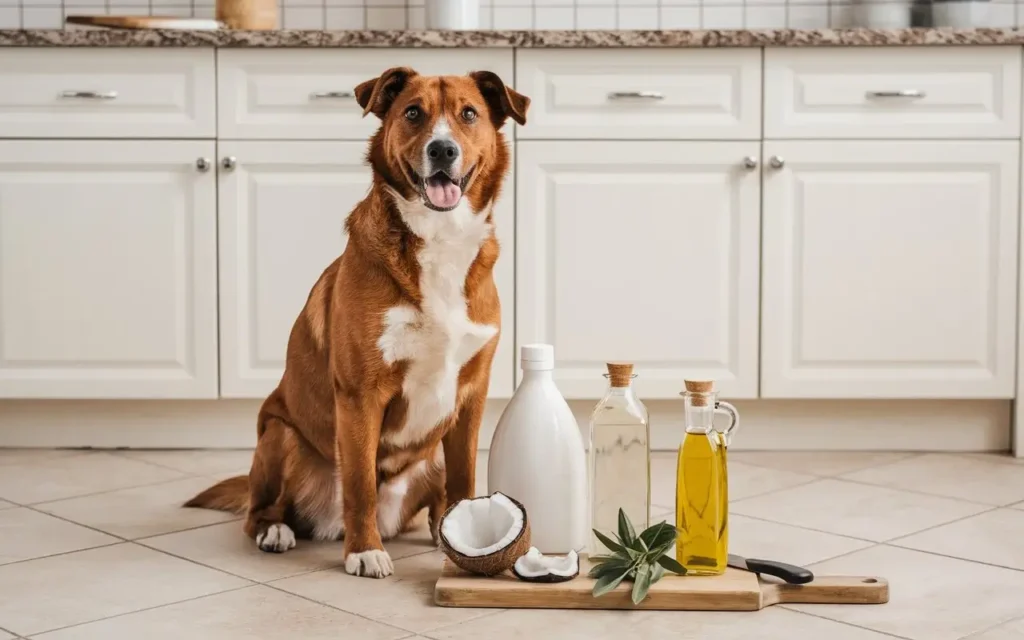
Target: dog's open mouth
{"x": 440, "y": 191}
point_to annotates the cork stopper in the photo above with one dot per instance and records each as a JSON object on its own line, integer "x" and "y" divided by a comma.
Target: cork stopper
{"x": 619, "y": 373}
{"x": 699, "y": 386}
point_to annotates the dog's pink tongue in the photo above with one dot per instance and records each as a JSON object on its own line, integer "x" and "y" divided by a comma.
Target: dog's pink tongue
{"x": 443, "y": 194}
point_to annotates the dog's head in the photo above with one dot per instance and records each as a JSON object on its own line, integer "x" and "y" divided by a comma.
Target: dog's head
{"x": 440, "y": 137}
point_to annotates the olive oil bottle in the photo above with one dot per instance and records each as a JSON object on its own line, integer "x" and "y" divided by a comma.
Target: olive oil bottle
{"x": 702, "y": 502}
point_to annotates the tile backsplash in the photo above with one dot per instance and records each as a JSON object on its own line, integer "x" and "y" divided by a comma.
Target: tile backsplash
{"x": 496, "y": 14}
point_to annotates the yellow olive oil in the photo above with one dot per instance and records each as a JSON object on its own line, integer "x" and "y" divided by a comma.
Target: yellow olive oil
{"x": 702, "y": 546}
{"x": 723, "y": 484}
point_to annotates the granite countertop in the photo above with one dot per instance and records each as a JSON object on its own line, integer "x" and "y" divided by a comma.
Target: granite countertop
{"x": 526, "y": 39}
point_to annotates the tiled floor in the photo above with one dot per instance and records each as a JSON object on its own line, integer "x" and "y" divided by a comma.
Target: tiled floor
{"x": 94, "y": 545}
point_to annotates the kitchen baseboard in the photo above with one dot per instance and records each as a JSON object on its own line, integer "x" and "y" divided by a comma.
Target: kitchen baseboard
{"x": 905, "y": 425}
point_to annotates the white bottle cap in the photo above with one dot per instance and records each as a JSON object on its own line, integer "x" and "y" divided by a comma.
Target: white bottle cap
{"x": 536, "y": 357}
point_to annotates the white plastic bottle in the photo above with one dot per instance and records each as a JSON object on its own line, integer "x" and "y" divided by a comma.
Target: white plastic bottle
{"x": 537, "y": 457}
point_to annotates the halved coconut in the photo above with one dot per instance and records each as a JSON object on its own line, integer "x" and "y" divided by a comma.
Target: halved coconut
{"x": 537, "y": 567}
{"x": 485, "y": 535}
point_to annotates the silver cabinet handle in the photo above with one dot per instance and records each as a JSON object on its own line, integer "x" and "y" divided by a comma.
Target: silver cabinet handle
{"x": 331, "y": 95}
{"x": 89, "y": 95}
{"x": 229, "y": 163}
{"x": 645, "y": 95}
{"x": 202, "y": 165}
{"x": 750, "y": 162}
{"x": 777, "y": 162}
{"x": 904, "y": 93}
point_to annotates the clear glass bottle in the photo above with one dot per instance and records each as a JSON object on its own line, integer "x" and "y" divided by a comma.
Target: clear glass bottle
{"x": 619, "y": 457}
{"x": 702, "y": 489}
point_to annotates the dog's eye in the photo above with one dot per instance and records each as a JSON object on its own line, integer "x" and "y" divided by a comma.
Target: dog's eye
{"x": 412, "y": 113}
{"x": 469, "y": 114}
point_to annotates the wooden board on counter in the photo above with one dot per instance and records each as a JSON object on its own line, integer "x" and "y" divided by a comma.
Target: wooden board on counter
{"x": 735, "y": 590}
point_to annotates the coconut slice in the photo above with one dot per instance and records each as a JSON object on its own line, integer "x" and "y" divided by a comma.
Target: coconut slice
{"x": 485, "y": 535}
{"x": 537, "y": 567}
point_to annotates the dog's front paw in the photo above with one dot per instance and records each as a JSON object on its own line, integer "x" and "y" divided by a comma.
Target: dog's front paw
{"x": 375, "y": 563}
{"x": 278, "y": 538}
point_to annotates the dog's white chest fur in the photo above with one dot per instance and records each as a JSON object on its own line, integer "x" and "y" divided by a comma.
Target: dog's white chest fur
{"x": 439, "y": 339}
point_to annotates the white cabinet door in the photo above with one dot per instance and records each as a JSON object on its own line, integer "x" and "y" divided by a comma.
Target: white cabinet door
{"x": 282, "y": 222}
{"x": 108, "y": 270}
{"x": 889, "y": 269}
{"x": 640, "y": 251}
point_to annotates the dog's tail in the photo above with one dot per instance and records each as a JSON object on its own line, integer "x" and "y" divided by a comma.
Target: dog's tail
{"x": 228, "y": 495}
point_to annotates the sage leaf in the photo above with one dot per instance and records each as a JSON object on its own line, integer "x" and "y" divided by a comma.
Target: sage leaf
{"x": 626, "y": 531}
{"x": 658, "y": 534}
{"x": 657, "y": 573}
{"x": 608, "y": 542}
{"x": 672, "y": 565}
{"x": 608, "y": 583}
{"x": 642, "y": 583}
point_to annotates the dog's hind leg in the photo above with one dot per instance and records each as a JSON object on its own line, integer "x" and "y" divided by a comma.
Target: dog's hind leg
{"x": 268, "y": 502}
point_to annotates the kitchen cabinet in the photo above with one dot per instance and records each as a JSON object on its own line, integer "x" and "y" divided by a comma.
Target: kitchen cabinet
{"x": 641, "y": 251}
{"x": 889, "y": 269}
{"x": 108, "y": 264}
{"x": 283, "y": 207}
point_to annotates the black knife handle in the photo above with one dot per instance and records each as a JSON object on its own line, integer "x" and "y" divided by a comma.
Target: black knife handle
{"x": 788, "y": 572}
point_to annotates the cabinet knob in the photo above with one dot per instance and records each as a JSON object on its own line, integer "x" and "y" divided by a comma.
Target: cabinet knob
{"x": 229, "y": 162}
{"x": 202, "y": 165}
{"x": 777, "y": 162}
{"x": 750, "y": 162}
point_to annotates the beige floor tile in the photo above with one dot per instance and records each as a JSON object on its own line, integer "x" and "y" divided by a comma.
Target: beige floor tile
{"x": 744, "y": 480}
{"x": 54, "y": 478}
{"x": 27, "y": 534}
{"x": 226, "y": 547}
{"x": 254, "y": 612}
{"x": 7, "y": 505}
{"x": 140, "y": 512}
{"x": 953, "y": 476}
{"x": 1013, "y": 630}
{"x": 769, "y": 624}
{"x": 856, "y": 510}
{"x": 996, "y": 537}
{"x": 818, "y": 463}
{"x": 1003, "y": 456}
{"x": 1019, "y": 505}
{"x": 4, "y": 635}
{"x": 200, "y": 462}
{"x": 404, "y": 600}
{"x": 770, "y": 541}
{"x": 49, "y": 593}
{"x": 931, "y": 597}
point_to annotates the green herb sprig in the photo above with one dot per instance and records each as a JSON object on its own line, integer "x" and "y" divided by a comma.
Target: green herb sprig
{"x": 639, "y": 558}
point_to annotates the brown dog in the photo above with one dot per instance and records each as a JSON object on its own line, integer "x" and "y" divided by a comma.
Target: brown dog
{"x": 377, "y": 413}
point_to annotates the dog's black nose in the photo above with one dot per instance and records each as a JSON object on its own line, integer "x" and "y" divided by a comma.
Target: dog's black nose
{"x": 442, "y": 151}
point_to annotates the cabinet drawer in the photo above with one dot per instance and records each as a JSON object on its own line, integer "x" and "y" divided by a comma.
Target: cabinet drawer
{"x": 893, "y": 93}
{"x": 655, "y": 94}
{"x": 309, "y": 95}
{"x": 107, "y": 93}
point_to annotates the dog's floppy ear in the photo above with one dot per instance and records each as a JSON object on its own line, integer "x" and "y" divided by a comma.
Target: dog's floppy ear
{"x": 377, "y": 95}
{"x": 503, "y": 102}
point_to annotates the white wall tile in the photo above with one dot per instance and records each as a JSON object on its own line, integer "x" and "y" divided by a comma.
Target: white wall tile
{"x": 303, "y": 18}
{"x": 555, "y": 18}
{"x": 345, "y": 18}
{"x": 807, "y": 16}
{"x": 417, "y": 17}
{"x": 1002, "y": 14}
{"x": 513, "y": 18}
{"x": 43, "y": 17}
{"x": 680, "y": 17}
{"x": 385, "y": 18}
{"x": 766, "y": 17}
{"x": 10, "y": 17}
{"x": 723, "y": 17}
{"x": 638, "y": 17}
{"x": 595, "y": 17}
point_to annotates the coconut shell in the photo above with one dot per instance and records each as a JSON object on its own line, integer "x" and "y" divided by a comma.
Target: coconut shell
{"x": 493, "y": 563}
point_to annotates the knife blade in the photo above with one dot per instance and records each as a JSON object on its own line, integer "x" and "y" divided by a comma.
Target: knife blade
{"x": 788, "y": 572}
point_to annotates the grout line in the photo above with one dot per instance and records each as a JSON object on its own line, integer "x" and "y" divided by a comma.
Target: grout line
{"x": 158, "y": 606}
{"x": 843, "y": 622}
{"x": 978, "y": 634}
{"x": 324, "y": 604}
{"x": 906, "y": 456}
{"x": 806, "y": 528}
{"x": 201, "y": 526}
{"x": 64, "y": 553}
{"x": 951, "y": 557}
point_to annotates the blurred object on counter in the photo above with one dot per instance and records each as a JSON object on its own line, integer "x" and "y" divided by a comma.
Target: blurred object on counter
{"x": 882, "y": 14}
{"x": 145, "y": 22}
{"x": 960, "y": 14}
{"x": 453, "y": 14}
{"x": 252, "y": 15}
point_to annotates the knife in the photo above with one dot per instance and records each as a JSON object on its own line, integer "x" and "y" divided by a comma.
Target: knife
{"x": 788, "y": 572}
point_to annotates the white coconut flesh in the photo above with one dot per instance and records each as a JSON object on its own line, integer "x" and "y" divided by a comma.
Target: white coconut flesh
{"x": 535, "y": 565}
{"x": 483, "y": 526}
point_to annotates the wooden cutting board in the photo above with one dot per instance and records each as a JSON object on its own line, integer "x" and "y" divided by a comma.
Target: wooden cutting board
{"x": 734, "y": 590}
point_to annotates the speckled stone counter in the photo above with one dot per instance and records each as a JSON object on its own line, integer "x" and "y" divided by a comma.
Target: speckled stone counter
{"x": 524, "y": 39}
